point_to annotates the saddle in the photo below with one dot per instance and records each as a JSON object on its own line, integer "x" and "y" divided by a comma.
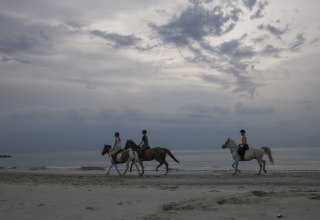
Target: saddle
{"x": 143, "y": 151}
{"x": 124, "y": 156}
{"x": 114, "y": 157}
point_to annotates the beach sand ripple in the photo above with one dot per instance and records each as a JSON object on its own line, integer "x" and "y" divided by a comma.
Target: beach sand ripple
{"x": 217, "y": 195}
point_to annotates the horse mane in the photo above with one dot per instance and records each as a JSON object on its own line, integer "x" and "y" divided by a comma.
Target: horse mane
{"x": 232, "y": 142}
{"x": 130, "y": 140}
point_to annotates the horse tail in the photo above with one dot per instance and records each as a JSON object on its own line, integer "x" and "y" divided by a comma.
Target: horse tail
{"x": 267, "y": 151}
{"x": 171, "y": 155}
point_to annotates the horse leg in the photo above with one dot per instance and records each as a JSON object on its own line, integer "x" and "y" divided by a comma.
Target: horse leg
{"x": 264, "y": 166}
{"x": 137, "y": 168}
{"x": 260, "y": 166}
{"x": 109, "y": 169}
{"x": 142, "y": 167}
{"x": 235, "y": 166}
{"x": 127, "y": 166}
{"x": 167, "y": 167}
{"x": 137, "y": 160}
{"x": 131, "y": 167}
{"x": 134, "y": 161}
{"x": 159, "y": 165}
{"x": 117, "y": 168}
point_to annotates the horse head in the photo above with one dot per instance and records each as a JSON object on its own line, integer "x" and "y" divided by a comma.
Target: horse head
{"x": 229, "y": 144}
{"x": 130, "y": 144}
{"x": 225, "y": 144}
{"x": 106, "y": 149}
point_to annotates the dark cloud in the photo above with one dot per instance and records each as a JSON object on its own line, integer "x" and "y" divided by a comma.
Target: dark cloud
{"x": 249, "y": 3}
{"x": 273, "y": 30}
{"x": 18, "y": 43}
{"x": 24, "y": 38}
{"x": 296, "y": 45}
{"x": 199, "y": 57}
{"x": 241, "y": 109}
{"x": 246, "y": 86}
{"x": 195, "y": 22}
{"x": 230, "y": 58}
{"x": 270, "y": 50}
{"x": 16, "y": 38}
{"x": 260, "y": 39}
{"x": 118, "y": 40}
{"x": 259, "y": 12}
{"x": 234, "y": 49}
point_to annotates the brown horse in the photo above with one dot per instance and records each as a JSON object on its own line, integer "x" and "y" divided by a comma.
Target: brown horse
{"x": 156, "y": 153}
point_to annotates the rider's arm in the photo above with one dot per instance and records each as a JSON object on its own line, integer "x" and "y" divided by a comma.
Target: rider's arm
{"x": 141, "y": 141}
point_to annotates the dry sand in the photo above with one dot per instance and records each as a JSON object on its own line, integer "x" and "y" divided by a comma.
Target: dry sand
{"x": 219, "y": 195}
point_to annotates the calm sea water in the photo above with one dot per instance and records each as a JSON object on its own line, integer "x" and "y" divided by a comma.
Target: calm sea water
{"x": 190, "y": 161}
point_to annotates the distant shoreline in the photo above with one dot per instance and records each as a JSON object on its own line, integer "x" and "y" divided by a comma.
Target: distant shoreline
{"x": 246, "y": 177}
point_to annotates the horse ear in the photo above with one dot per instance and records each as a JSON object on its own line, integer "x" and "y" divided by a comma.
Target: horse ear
{"x": 228, "y": 138}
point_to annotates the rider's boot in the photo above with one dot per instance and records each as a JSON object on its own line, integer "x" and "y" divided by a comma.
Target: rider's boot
{"x": 114, "y": 158}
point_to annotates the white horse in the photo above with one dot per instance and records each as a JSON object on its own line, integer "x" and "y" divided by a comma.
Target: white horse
{"x": 250, "y": 154}
{"x": 123, "y": 157}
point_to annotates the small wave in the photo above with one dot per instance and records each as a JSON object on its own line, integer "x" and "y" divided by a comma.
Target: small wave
{"x": 39, "y": 168}
{"x": 91, "y": 168}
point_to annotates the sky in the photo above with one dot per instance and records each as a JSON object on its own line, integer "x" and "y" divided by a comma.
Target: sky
{"x": 192, "y": 73}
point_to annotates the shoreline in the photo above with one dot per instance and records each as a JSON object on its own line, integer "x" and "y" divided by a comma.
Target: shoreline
{"x": 285, "y": 177}
{"x": 217, "y": 195}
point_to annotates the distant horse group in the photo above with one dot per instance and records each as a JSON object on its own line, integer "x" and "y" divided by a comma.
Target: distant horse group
{"x": 133, "y": 153}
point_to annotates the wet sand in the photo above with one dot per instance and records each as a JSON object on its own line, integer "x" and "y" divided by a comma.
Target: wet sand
{"x": 217, "y": 195}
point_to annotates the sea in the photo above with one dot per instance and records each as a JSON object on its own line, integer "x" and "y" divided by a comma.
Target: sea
{"x": 191, "y": 161}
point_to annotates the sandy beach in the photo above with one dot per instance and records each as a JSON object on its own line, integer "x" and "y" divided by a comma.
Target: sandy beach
{"x": 218, "y": 195}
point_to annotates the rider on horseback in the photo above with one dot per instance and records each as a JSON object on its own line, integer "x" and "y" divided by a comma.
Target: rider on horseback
{"x": 244, "y": 144}
{"x": 116, "y": 148}
{"x": 144, "y": 143}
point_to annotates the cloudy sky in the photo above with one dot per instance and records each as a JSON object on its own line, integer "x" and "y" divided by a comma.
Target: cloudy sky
{"x": 190, "y": 72}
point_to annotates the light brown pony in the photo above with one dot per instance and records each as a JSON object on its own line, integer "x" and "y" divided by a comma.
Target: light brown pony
{"x": 123, "y": 157}
{"x": 156, "y": 153}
